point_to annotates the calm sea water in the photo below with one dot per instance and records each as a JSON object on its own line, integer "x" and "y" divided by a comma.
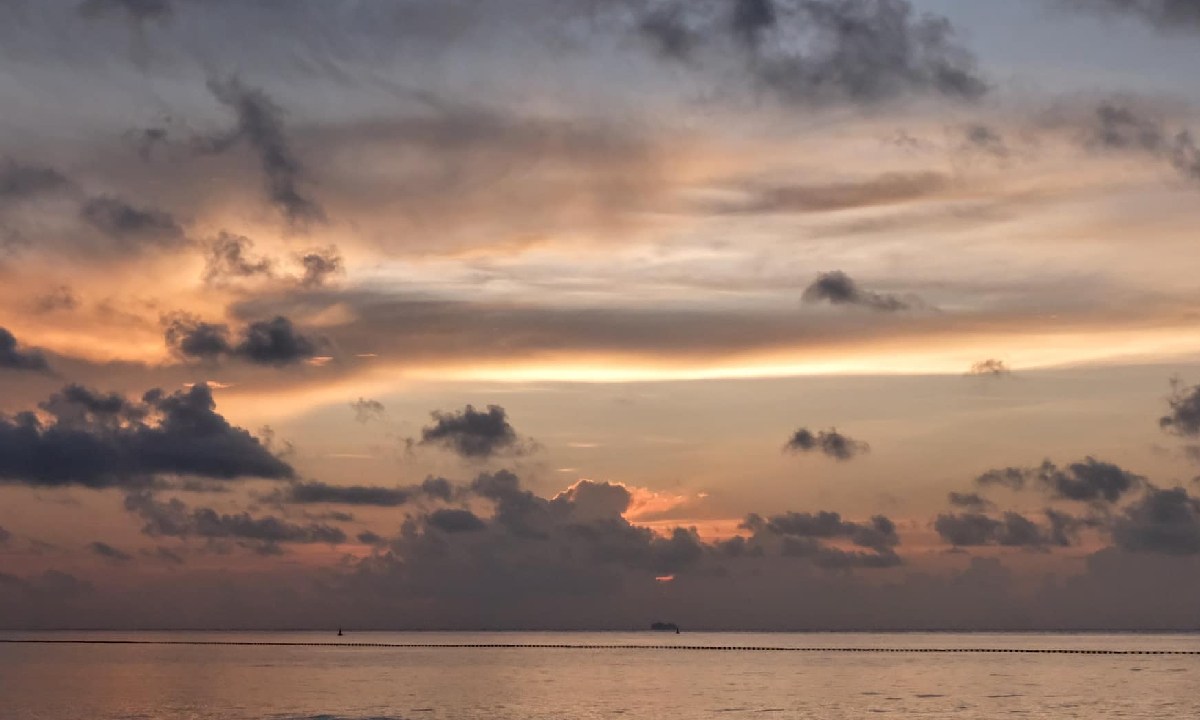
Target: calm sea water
{"x": 187, "y": 682}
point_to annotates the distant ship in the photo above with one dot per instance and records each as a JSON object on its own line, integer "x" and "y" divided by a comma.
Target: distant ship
{"x": 664, "y": 627}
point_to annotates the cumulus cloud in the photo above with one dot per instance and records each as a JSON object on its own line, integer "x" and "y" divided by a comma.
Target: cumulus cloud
{"x": 319, "y": 265}
{"x": 830, "y": 442}
{"x": 975, "y": 529}
{"x": 173, "y": 518}
{"x": 366, "y": 410}
{"x": 13, "y": 357}
{"x": 454, "y": 520}
{"x": 804, "y": 535}
{"x": 1162, "y": 521}
{"x": 473, "y": 434}
{"x": 1091, "y": 480}
{"x": 265, "y": 342}
{"x": 229, "y": 257}
{"x": 1184, "y": 418}
{"x": 969, "y": 501}
{"x": 838, "y": 288}
{"x": 97, "y": 441}
{"x": 260, "y": 124}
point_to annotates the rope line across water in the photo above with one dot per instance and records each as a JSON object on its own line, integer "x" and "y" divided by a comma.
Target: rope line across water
{"x": 549, "y": 646}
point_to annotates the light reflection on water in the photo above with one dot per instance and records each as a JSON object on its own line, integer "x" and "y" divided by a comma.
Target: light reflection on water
{"x": 173, "y": 682}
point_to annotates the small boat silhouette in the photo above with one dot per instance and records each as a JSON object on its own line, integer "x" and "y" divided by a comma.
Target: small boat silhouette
{"x": 339, "y": 632}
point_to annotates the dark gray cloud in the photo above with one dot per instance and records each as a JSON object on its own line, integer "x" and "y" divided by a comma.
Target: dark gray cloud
{"x": 453, "y": 520}
{"x": 366, "y": 410}
{"x": 838, "y": 288}
{"x": 830, "y": 442}
{"x": 13, "y": 357}
{"x": 260, "y": 124}
{"x": 266, "y": 342}
{"x": 990, "y": 368}
{"x": 816, "y": 52}
{"x": 319, "y": 265}
{"x": 473, "y": 434}
{"x": 108, "y": 552}
{"x": 229, "y": 257}
{"x": 1118, "y": 126}
{"x": 984, "y": 139}
{"x": 319, "y": 492}
{"x": 132, "y": 227}
{"x": 5, "y": 535}
{"x": 975, "y": 529}
{"x": 1091, "y": 480}
{"x": 135, "y": 9}
{"x": 1162, "y": 521}
{"x": 1184, "y": 418}
{"x": 666, "y": 29}
{"x": 99, "y": 441}
{"x": 805, "y": 535}
{"x": 173, "y": 518}
{"x": 969, "y": 501}
{"x": 1163, "y": 14}
{"x": 19, "y": 181}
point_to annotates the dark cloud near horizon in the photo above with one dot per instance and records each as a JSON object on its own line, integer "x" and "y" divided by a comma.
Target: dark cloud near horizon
{"x": 173, "y": 518}
{"x": 108, "y": 552}
{"x": 838, "y": 288}
{"x": 1162, "y": 521}
{"x": 1091, "y": 480}
{"x": 13, "y": 357}
{"x": 473, "y": 434}
{"x": 99, "y": 441}
{"x": 805, "y": 535}
{"x": 1012, "y": 529}
{"x": 818, "y": 52}
{"x": 829, "y": 442}
{"x": 274, "y": 342}
{"x": 260, "y": 124}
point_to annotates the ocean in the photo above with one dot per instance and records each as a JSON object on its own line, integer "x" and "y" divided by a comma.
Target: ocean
{"x": 393, "y": 675}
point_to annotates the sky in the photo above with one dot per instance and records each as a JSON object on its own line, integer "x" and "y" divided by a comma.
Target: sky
{"x": 584, "y": 314}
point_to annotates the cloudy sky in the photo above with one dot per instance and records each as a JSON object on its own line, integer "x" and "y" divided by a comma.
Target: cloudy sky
{"x": 587, "y": 313}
